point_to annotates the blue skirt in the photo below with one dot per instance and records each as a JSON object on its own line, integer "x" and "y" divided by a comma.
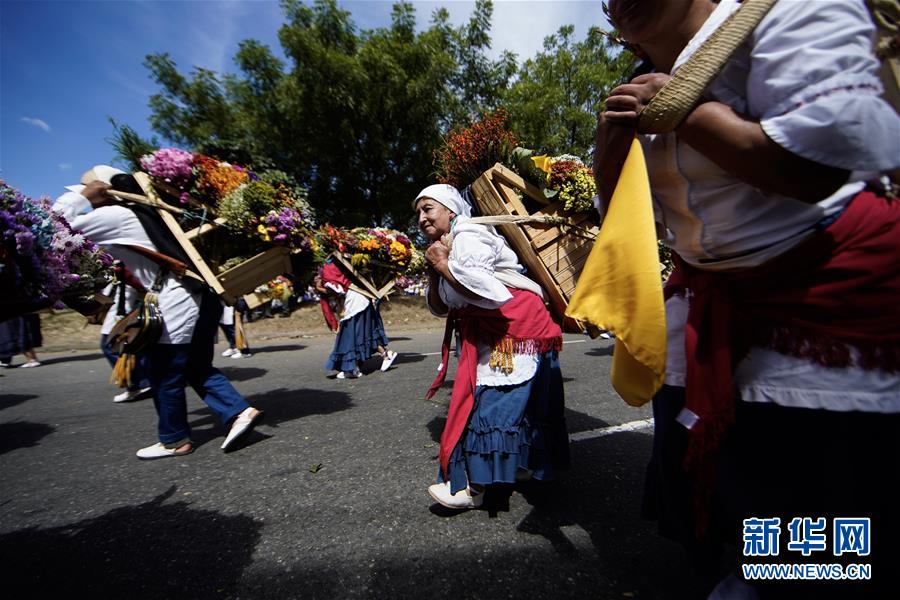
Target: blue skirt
{"x": 514, "y": 427}
{"x": 19, "y": 334}
{"x": 358, "y": 338}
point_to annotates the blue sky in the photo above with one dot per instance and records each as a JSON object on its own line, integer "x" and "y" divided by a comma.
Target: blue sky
{"x": 67, "y": 66}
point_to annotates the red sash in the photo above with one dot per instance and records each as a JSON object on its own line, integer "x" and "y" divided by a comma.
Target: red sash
{"x": 523, "y": 320}
{"x": 838, "y": 289}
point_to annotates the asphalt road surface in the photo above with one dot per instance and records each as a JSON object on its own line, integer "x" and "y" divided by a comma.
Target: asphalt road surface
{"x": 325, "y": 499}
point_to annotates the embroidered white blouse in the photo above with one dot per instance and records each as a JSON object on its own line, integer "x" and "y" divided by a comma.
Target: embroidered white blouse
{"x": 113, "y": 227}
{"x": 807, "y": 74}
{"x": 482, "y": 261}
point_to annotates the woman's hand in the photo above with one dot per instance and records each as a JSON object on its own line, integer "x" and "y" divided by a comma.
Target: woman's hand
{"x": 97, "y": 193}
{"x": 626, "y": 102}
{"x": 437, "y": 255}
{"x": 611, "y": 145}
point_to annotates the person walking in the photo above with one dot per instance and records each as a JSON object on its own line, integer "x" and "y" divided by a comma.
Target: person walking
{"x": 506, "y": 418}
{"x": 183, "y": 354}
{"x": 20, "y": 335}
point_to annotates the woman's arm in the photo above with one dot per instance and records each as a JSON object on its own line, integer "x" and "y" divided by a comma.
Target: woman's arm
{"x": 739, "y": 146}
{"x": 734, "y": 142}
{"x": 438, "y": 258}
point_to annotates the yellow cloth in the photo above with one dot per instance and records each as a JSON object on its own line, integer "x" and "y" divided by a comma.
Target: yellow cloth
{"x": 620, "y": 288}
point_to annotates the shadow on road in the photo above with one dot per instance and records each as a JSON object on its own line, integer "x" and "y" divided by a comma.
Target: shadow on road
{"x": 71, "y": 358}
{"x": 282, "y": 405}
{"x": 153, "y": 550}
{"x": 10, "y": 400}
{"x": 604, "y": 351}
{"x": 243, "y": 373}
{"x": 22, "y": 434}
{"x": 276, "y": 348}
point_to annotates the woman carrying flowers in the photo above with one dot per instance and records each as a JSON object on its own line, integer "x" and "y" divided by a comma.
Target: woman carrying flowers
{"x": 361, "y": 330}
{"x": 506, "y": 415}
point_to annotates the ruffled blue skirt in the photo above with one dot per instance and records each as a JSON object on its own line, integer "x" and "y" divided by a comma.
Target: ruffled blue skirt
{"x": 358, "y": 338}
{"x": 514, "y": 427}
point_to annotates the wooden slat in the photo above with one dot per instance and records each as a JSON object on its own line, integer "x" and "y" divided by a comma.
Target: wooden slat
{"x": 205, "y": 228}
{"x": 515, "y": 180}
{"x": 512, "y": 199}
{"x": 206, "y": 273}
{"x": 247, "y": 276}
{"x": 155, "y": 203}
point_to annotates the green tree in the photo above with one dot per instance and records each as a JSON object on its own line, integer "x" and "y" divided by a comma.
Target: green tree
{"x": 553, "y": 105}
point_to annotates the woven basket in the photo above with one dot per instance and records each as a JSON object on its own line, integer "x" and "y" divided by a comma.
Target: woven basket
{"x": 681, "y": 93}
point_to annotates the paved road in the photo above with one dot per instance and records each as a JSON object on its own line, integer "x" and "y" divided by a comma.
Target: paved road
{"x": 326, "y": 499}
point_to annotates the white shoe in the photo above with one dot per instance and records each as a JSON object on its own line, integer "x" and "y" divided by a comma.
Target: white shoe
{"x": 354, "y": 374}
{"x": 30, "y": 364}
{"x": 605, "y": 336}
{"x": 230, "y": 351}
{"x": 239, "y": 354}
{"x": 461, "y": 500}
{"x": 242, "y": 424}
{"x": 129, "y": 395}
{"x": 388, "y": 360}
{"x": 160, "y": 451}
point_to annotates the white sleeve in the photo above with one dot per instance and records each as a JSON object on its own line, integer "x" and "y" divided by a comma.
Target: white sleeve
{"x": 71, "y": 205}
{"x": 472, "y": 260}
{"x": 813, "y": 85}
{"x": 336, "y": 287}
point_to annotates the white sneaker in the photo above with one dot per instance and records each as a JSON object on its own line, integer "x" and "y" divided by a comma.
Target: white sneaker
{"x": 388, "y": 360}
{"x": 30, "y": 364}
{"x": 605, "y": 336}
{"x": 160, "y": 451}
{"x": 242, "y": 424}
{"x": 354, "y": 374}
{"x": 461, "y": 500}
{"x": 230, "y": 351}
{"x": 239, "y": 354}
{"x": 129, "y": 395}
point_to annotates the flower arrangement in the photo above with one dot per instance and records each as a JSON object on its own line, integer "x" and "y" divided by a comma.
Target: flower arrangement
{"x": 270, "y": 207}
{"x": 469, "y": 151}
{"x": 42, "y": 259}
{"x": 379, "y": 253}
{"x": 194, "y": 177}
{"x": 573, "y": 181}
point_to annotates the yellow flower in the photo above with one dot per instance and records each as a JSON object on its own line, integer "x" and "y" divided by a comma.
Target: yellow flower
{"x": 263, "y": 233}
{"x": 543, "y": 162}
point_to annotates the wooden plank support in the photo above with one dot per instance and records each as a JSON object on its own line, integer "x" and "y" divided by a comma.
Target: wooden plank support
{"x": 205, "y": 228}
{"x": 205, "y": 272}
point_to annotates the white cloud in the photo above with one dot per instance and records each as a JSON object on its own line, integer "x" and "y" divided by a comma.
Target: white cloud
{"x": 39, "y": 123}
{"x": 64, "y": 166}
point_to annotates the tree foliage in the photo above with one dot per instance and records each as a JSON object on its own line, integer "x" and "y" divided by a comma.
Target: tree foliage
{"x": 355, "y": 116}
{"x": 554, "y": 103}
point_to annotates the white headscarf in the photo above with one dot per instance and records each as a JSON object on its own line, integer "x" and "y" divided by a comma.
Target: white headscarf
{"x": 448, "y": 196}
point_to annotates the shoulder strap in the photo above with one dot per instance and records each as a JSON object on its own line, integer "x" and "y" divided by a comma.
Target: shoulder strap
{"x": 677, "y": 98}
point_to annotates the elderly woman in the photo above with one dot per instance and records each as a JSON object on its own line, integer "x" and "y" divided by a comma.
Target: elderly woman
{"x": 506, "y": 409}
{"x": 784, "y": 357}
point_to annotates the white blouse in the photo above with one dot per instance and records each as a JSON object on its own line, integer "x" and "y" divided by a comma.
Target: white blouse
{"x": 114, "y": 227}
{"x": 807, "y": 74}
{"x": 482, "y": 261}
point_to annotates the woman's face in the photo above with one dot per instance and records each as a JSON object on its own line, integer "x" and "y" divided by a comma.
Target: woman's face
{"x": 639, "y": 20}
{"x": 434, "y": 218}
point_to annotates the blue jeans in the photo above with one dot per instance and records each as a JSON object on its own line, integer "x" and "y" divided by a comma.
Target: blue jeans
{"x": 139, "y": 379}
{"x": 173, "y": 366}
